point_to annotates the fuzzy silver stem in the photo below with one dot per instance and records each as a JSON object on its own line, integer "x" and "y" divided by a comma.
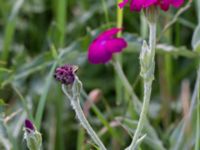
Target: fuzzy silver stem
{"x": 147, "y": 61}
{"x": 74, "y": 100}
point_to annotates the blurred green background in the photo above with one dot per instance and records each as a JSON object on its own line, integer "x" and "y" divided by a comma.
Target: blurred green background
{"x": 38, "y": 35}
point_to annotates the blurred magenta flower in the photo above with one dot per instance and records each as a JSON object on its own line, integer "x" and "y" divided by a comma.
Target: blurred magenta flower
{"x": 66, "y": 74}
{"x": 137, "y": 5}
{"x": 105, "y": 45}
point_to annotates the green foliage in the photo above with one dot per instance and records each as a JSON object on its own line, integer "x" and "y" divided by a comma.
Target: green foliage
{"x": 38, "y": 35}
{"x": 2, "y": 102}
{"x": 196, "y": 39}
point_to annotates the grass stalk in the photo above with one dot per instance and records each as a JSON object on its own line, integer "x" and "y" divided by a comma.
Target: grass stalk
{"x": 118, "y": 86}
{"x": 61, "y": 20}
{"x": 197, "y": 144}
{"x": 24, "y": 103}
{"x": 80, "y": 141}
{"x": 10, "y": 29}
{"x": 107, "y": 20}
{"x": 43, "y": 98}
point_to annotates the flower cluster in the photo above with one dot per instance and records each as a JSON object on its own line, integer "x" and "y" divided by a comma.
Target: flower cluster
{"x": 138, "y": 5}
{"x": 106, "y": 44}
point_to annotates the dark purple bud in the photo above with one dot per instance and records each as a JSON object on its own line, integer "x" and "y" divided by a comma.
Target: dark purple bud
{"x": 29, "y": 126}
{"x": 66, "y": 74}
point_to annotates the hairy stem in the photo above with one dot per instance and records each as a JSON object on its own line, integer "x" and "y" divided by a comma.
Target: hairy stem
{"x": 137, "y": 103}
{"x": 81, "y": 117}
{"x": 148, "y": 76}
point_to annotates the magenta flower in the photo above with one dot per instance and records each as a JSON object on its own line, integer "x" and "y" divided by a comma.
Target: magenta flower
{"x": 137, "y": 5}
{"x": 105, "y": 45}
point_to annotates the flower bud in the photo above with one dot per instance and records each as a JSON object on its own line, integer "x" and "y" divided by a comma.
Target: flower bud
{"x": 146, "y": 62}
{"x": 145, "y": 52}
{"x": 32, "y": 136}
{"x": 29, "y": 126}
{"x": 66, "y": 74}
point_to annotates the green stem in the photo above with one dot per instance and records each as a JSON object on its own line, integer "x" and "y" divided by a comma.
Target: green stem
{"x": 105, "y": 11}
{"x": 145, "y": 106}
{"x": 118, "y": 86}
{"x": 152, "y": 39}
{"x": 81, "y": 117}
{"x": 61, "y": 19}
{"x": 119, "y": 17}
{"x": 80, "y": 141}
{"x": 144, "y": 26}
{"x": 10, "y": 29}
{"x": 148, "y": 79}
{"x": 136, "y": 101}
{"x": 198, "y": 10}
{"x": 24, "y": 102}
{"x": 121, "y": 75}
{"x": 43, "y": 98}
{"x": 198, "y": 114}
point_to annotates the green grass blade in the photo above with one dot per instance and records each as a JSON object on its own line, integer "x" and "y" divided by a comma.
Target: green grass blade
{"x": 197, "y": 146}
{"x": 61, "y": 19}
{"x": 24, "y": 103}
{"x": 81, "y": 137}
{"x": 10, "y": 29}
{"x": 42, "y": 101}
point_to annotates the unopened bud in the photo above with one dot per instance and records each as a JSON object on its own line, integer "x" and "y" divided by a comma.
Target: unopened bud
{"x": 146, "y": 62}
{"x": 66, "y": 74}
{"x": 145, "y": 54}
{"x": 32, "y": 136}
{"x": 29, "y": 127}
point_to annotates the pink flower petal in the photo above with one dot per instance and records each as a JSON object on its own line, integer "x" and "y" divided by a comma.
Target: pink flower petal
{"x": 98, "y": 54}
{"x": 149, "y": 3}
{"x": 177, "y": 3}
{"x": 136, "y": 5}
{"x": 116, "y": 45}
{"x": 108, "y": 34}
{"x": 102, "y": 48}
{"x": 164, "y": 4}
